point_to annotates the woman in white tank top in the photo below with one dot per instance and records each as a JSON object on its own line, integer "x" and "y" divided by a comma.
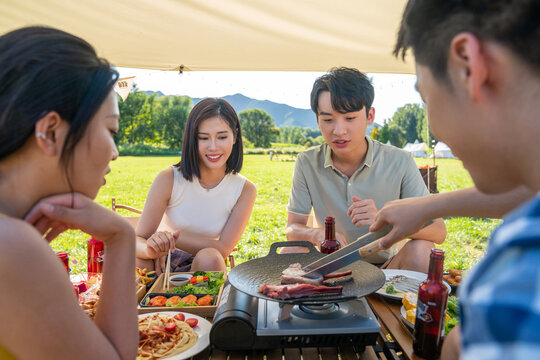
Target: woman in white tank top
{"x": 202, "y": 203}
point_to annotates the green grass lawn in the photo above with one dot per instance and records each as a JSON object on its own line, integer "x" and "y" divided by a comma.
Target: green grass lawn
{"x": 131, "y": 178}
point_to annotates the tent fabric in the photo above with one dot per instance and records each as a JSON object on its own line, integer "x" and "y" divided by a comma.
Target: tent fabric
{"x": 229, "y": 35}
{"x": 417, "y": 149}
{"x": 443, "y": 151}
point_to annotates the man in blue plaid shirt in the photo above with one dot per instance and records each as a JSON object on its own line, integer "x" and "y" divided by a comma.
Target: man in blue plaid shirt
{"x": 478, "y": 69}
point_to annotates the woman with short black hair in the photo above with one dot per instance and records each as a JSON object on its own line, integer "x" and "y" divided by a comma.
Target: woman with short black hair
{"x": 202, "y": 202}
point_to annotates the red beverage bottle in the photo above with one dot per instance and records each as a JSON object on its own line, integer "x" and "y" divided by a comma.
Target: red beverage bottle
{"x": 64, "y": 256}
{"x": 96, "y": 250}
{"x": 431, "y": 310}
{"x": 330, "y": 243}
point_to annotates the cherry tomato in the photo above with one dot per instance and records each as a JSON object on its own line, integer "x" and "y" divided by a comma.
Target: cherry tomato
{"x": 170, "y": 326}
{"x": 180, "y": 317}
{"x": 192, "y": 322}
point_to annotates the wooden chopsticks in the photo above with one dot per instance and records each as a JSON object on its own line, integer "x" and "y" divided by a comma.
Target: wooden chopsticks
{"x": 167, "y": 272}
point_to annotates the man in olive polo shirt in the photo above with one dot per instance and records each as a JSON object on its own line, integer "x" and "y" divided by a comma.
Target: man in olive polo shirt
{"x": 350, "y": 176}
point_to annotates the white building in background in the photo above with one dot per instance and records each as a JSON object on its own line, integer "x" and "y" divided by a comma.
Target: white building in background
{"x": 417, "y": 149}
{"x": 443, "y": 151}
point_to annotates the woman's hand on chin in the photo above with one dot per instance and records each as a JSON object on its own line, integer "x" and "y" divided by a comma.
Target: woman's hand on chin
{"x": 55, "y": 214}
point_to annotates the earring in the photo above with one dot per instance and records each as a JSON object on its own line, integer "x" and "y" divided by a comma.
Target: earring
{"x": 41, "y": 135}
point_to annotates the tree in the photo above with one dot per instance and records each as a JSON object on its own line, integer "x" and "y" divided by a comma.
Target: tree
{"x": 391, "y": 131}
{"x": 397, "y": 135}
{"x": 374, "y": 132}
{"x": 136, "y": 118}
{"x": 409, "y": 118}
{"x": 423, "y": 130}
{"x": 169, "y": 116}
{"x": 258, "y": 127}
{"x": 298, "y": 135}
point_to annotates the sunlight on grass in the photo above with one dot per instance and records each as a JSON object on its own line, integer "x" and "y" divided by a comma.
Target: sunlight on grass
{"x": 131, "y": 178}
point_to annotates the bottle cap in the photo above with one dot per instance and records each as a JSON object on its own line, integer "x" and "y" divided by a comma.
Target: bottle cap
{"x": 437, "y": 252}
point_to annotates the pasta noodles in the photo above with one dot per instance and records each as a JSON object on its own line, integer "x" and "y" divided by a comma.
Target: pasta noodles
{"x": 162, "y": 335}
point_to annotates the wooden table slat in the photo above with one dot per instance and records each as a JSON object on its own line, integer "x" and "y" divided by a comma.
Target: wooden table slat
{"x": 330, "y": 353}
{"x": 274, "y": 354}
{"x": 218, "y": 355}
{"x": 310, "y": 354}
{"x": 369, "y": 354}
{"x": 203, "y": 355}
{"x": 237, "y": 355}
{"x": 255, "y": 355}
{"x": 349, "y": 353}
{"x": 393, "y": 325}
{"x": 291, "y": 354}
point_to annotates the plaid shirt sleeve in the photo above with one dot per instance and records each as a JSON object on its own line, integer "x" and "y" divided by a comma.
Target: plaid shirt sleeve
{"x": 500, "y": 299}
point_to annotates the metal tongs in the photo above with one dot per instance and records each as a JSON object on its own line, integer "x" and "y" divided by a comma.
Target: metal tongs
{"x": 366, "y": 245}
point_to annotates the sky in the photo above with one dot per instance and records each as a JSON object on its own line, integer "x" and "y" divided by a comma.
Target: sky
{"x": 285, "y": 87}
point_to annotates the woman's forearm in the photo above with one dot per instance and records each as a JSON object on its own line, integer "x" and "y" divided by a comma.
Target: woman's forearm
{"x": 116, "y": 314}
{"x": 141, "y": 248}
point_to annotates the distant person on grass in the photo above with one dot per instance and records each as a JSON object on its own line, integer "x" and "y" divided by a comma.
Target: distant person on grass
{"x": 350, "y": 176}
{"x": 58, "y": 116}
{"x": 478, "y": 68}
{"x": 203, "y": 203}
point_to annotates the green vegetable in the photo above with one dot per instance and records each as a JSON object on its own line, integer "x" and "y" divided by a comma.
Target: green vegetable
{"x": 390, "y": 290}
{"x": 215, "y": 279}
{"x": 452, "y": 311}
{"x": 449, "y": 325}
{"x": 453, "y": 306}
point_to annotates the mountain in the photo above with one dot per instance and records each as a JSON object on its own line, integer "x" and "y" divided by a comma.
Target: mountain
{"x": 159, "y": 93}
{"x": 284, "y": 115}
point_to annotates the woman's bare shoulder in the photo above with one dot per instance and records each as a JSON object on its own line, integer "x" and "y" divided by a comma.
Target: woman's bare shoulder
{"x": 165, "y": 177}
{"x": 249, "y": 187}
{"x": 20, "y": 243}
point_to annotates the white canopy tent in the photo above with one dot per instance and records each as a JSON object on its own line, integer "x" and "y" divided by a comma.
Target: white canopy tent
{"x": 417, "y": 149}
{"x": 443, "y": 151}
{"x": 262, "y": 35}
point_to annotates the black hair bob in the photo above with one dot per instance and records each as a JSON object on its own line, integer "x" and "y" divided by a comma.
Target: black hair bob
{"x": 42, "y": 70}
{"x": 206, "y": 109}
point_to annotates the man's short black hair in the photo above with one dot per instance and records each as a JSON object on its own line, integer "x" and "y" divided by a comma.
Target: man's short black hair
{"x": 428, "y": 27}
{"x": 350, "y": 90}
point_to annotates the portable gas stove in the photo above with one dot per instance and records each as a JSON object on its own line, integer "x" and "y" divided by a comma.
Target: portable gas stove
{"x": 243, "y": 322}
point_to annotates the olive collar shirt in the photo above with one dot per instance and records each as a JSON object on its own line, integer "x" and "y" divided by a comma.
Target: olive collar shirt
{"x": 388, "y": 173}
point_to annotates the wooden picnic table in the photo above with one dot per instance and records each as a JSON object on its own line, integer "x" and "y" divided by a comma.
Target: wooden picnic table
{"x": 333, "y": 353}
{"x": 388, "y": 314}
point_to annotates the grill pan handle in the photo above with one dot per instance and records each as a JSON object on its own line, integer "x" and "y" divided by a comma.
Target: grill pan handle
{"x": 275, "y": 246}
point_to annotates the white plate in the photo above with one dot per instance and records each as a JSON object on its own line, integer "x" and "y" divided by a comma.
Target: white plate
{"x": 390, "y": 273}
{"x": 403, "y": 313}
{"x": 202, "y": 329}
